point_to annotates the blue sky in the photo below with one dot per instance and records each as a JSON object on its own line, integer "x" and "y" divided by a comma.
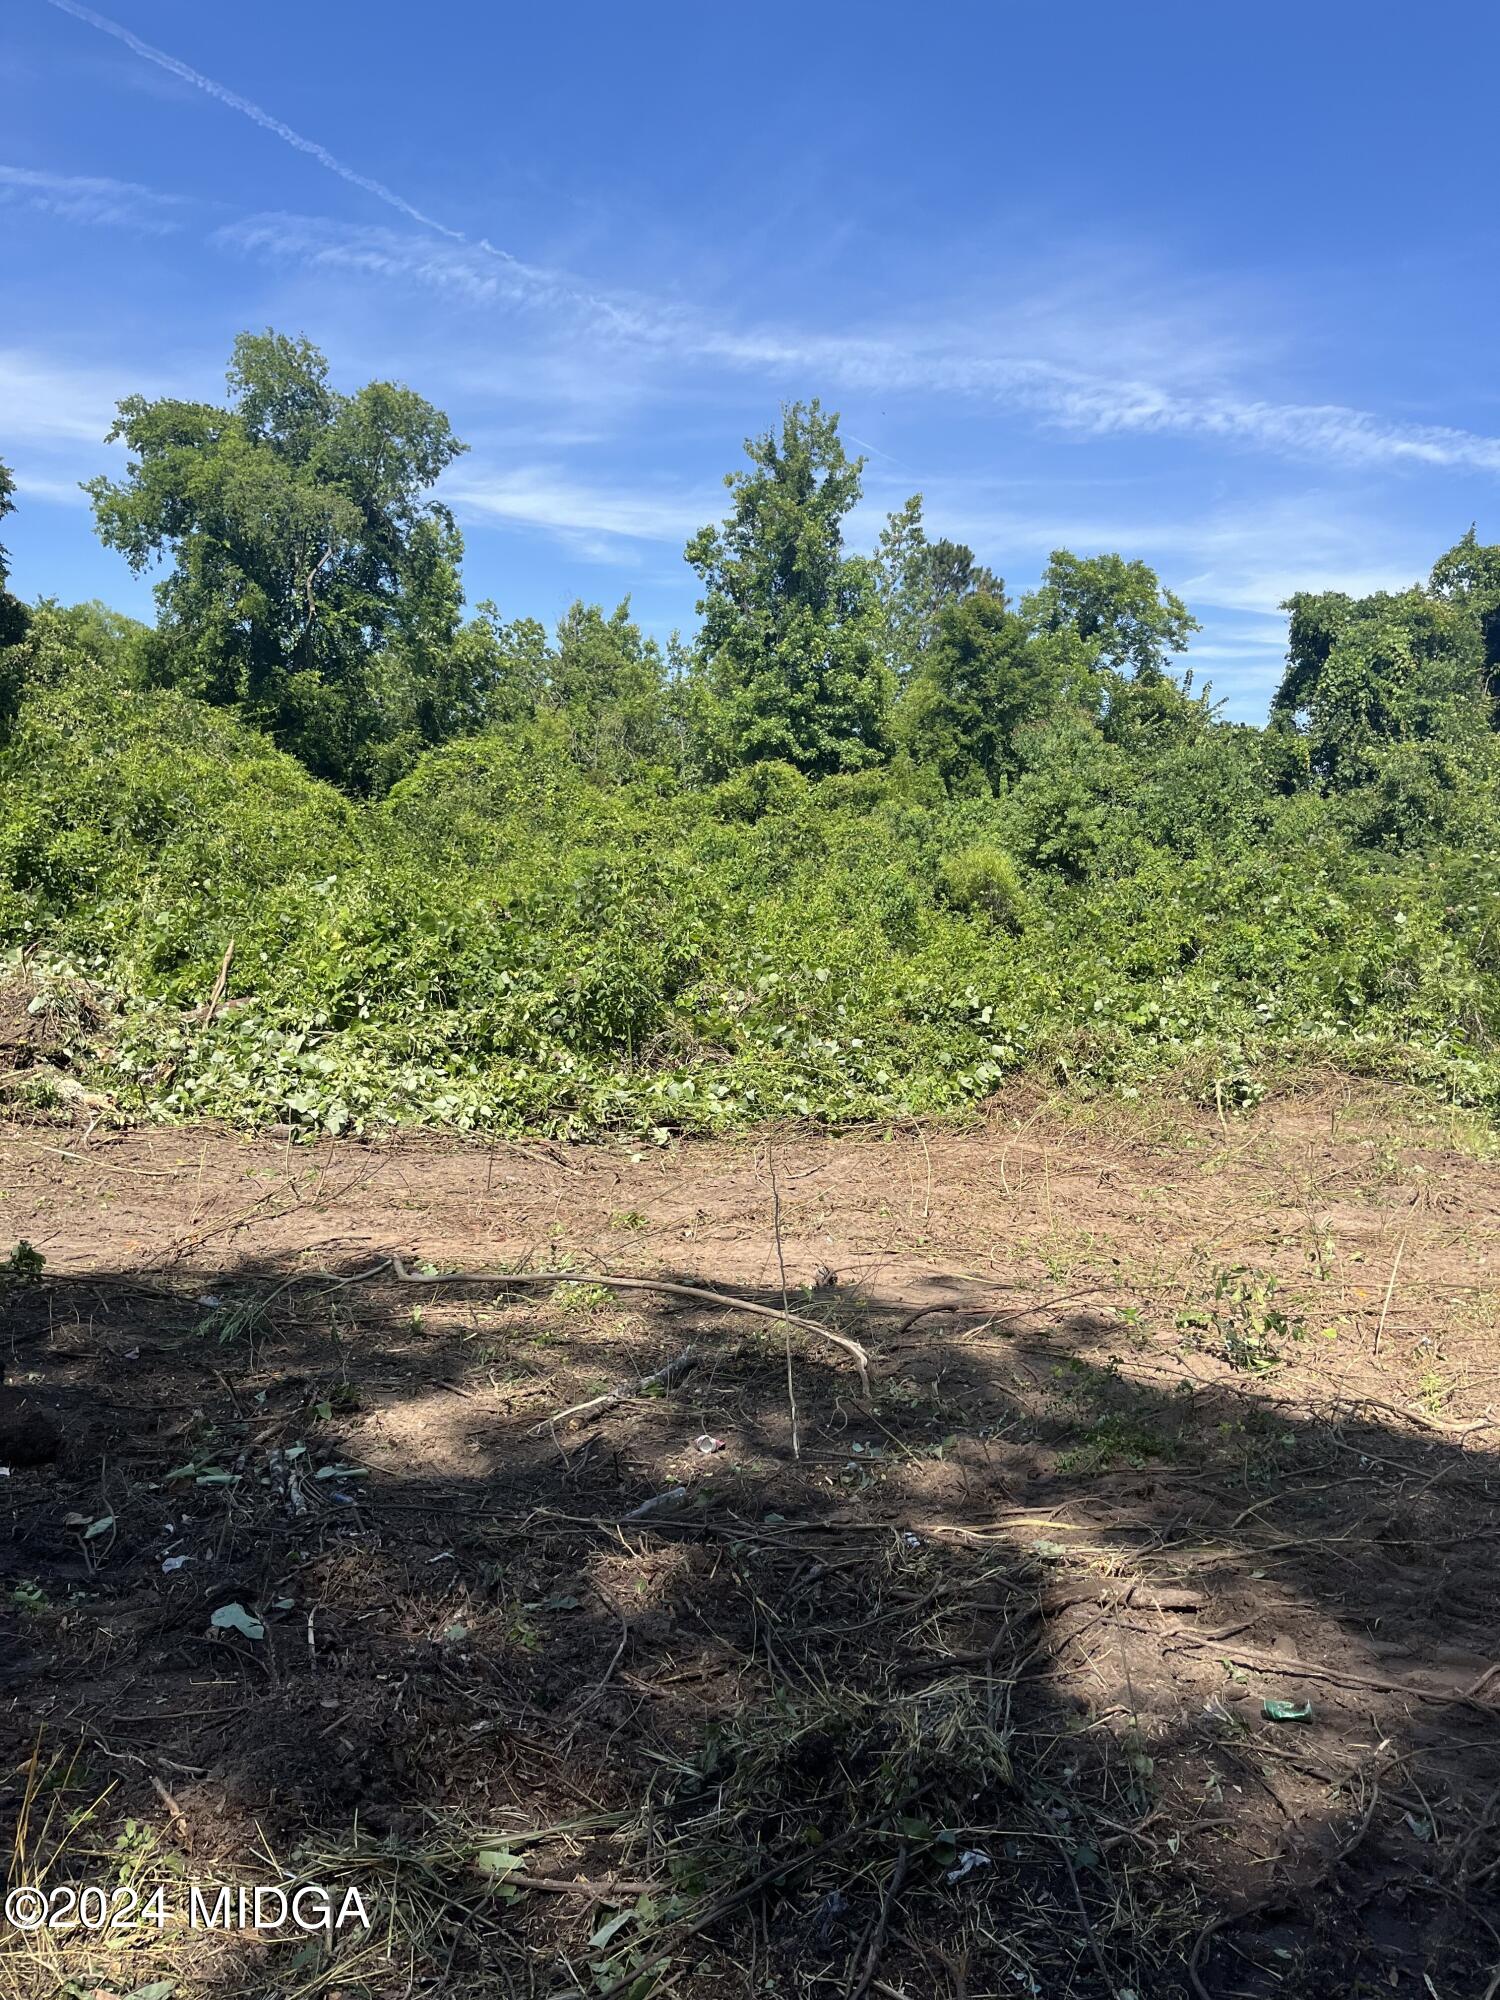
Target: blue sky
{"x": 1213, "y": 285}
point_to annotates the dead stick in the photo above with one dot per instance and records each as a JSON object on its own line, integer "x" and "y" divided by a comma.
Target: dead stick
{"x": 1386, "y": 1305}
{"x": 736, "y": 1899}
{"x": 622, "y": 1284}
{"x": 219, "y": 984}
{"x": 663, "y": 1378}
{"x": 1088, "y": 1924}
{"x": 882, "y": 1925}
{"x": 791, "y": 1387}
{"x": 608, "y": 1890}
{"x": 1307, "y": 1670}
{"x": 178, "y": 1815}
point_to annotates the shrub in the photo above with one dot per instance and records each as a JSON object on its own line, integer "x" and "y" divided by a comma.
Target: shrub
{"x": 984, "y": 880}
{"x": 771, "y": 787}
{"x": 505, "y": 942}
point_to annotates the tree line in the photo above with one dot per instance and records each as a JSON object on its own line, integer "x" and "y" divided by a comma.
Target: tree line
{"x": 312, "y": 582}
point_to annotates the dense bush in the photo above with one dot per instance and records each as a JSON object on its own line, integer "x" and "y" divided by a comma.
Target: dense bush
{"x": 875, "y": 840}
{"x": 506, "y": 942}
{"x": 983, "y": 880}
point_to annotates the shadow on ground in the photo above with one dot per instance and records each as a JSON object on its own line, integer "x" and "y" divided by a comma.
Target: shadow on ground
{"x": 1049, "y": 1669}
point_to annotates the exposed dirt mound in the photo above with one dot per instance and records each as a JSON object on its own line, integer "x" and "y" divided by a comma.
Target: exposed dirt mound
{"x": 1136, "y": 1634}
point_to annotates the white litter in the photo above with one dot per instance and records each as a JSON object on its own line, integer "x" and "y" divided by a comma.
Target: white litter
{"x": 972, "y": 1859}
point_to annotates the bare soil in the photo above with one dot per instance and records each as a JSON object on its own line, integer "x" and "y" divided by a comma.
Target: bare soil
{"x": 1137, "y": 1635}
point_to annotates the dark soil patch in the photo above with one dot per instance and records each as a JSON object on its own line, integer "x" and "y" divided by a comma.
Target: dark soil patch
{"x": 968, "y": 1688}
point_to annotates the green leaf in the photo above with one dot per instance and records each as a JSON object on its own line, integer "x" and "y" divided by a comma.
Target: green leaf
{"x": 235, "y": 1618}
{"x": 497, "y": 1861}
{"x": 612, "y": 1924}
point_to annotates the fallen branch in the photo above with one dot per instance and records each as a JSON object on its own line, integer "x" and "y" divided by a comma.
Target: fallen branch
{"x": 673, "y": 1497}
{"x": 659, "y": 1378}
{"x": 219, "y": 985}
{"x": 1088, "y": 1924}
{"x": 880, "y": 1927}
{"x": 609, "y": 1889}
{"x": 995, "y": 1319}
{"x": 1275, "y": 1663}
{"x": 1385, "y": 1304}
{"x": 622, "y": 1284}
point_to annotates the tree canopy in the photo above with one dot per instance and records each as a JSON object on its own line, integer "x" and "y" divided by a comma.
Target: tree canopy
{"x": 312, "y": 582}
{"x": 1118, "y": 609}
{"x": 1415, "y": 667}
{"x": 917, "y": 580}
{"x": 788, "y": 664}
{"x": 983, "y": 674}
{"x": 12, "y": 611}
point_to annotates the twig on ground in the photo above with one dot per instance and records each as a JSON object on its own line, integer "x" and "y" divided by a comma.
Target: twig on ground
{"x": 1390, "y": 1287}
{"x": 665, "y": 1377}
{"x": 596, "y": 1692}
{"x": 673, "y": 1497}
{"x": 736, "y": 1899}
{"x": 598, "y": 1892}
{"x": 1088, "y": 1923}
{"x": 791, "y": 1387}
{"x": 996, "y": 1319}
{"x": 615, "y": 1282}
{"x": 882, "y": 1924}
{"x": 178, "y": 1815}
{"x": 1274, "y": 1663}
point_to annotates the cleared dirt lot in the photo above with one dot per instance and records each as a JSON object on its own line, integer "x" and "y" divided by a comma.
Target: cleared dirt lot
{"x": 1138, "y": 1632}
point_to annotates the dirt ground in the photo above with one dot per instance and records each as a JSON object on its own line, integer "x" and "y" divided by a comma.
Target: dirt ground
{"x": 1135, "y": 1634}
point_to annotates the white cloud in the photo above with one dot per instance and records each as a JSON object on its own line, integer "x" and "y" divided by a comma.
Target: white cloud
{"x": 43, "y": 402}
{"x": 536, "y": 497}
{"x": 481, "y": 277}
{"x": 222, "y": 95}
{"x": 1058, "y": 385}
{"x": 38, "y": 486}
{"x": 90, "y": 199}
{"x": 1251, "y": 559}
{"x": 969, "y": 362}
{"x": 1243, "y": 560}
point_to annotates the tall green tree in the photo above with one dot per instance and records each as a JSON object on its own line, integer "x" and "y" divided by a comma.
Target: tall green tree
{"x": 604, "y": 680}
{"x": 983, "y": 675}
{"x": 12, "y": 611}
{"x": 787, "y": 666}
{"x": 313, "y": 582}
{"x": 1367, "y": 675}
{"x": 609, "y": 683}
{"x": 1118, "y": 609}
{"x": 1468, "y": 577}
{"x": 917, "y": 578}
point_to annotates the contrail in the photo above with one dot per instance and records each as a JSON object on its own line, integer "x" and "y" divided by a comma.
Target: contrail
{"x": 257, "y": 116}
